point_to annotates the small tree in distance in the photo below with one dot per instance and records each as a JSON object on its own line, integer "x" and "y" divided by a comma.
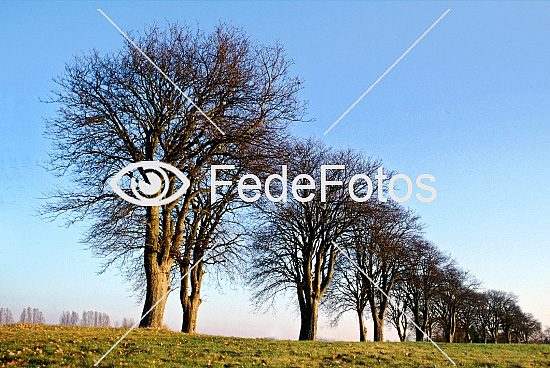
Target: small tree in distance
{"x": 95, "y": 319}
{"x": 32, "y": 316}
{"x": 127, "y": 322}
{"x": 6, "y": 317}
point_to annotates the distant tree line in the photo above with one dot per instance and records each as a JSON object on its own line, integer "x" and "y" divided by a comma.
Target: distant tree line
{"x": 92, "y": 319}
{"x": 6, "y": 317}
{"x": 28, "y": 316}
{"x": 32, "y": 316}
{"x": 67, "y": 318}
{"x": 88, "y": 318}
{"x": 426, "y": 287}
{"x": 317, "y": 243}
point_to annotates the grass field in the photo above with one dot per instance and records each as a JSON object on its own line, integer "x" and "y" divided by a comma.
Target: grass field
{"x": 37, "y": 346}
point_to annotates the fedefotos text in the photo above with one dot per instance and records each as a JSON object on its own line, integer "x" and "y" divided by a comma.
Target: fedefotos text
{"x": 251, "y": 182}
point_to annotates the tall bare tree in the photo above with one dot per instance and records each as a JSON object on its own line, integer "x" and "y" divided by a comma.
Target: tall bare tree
{"x": 467, "y": 316}
{"x": 527, "y": 327}
{"x": 511, "y": 316}
{"x": 117, "y": 109}
{"x": 293, "y": 248}
{"x": 379, "y": 243}
{"x": 398, "y": 313}
{"x": 457, "y": 284}
{"x": 497, "y": 304}
{"x": 421, "y": 280}
{"x": 347, "y": 292}
{"x": 69, "y": 318}
{"x": 211, "y": 227}
{"x": 95, "y": 319}
{"x": 381, "y": 247}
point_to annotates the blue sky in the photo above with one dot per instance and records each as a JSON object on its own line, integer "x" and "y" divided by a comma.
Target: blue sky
{"x": 469, "y": 105}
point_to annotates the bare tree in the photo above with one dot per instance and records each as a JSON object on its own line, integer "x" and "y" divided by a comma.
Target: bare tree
{"x": 6, "y": 317}
{"x": 293, "y": 247}
{"x": 467, "y": 316}
{"x": 398, "y": 311}
{"x": 497, "y": 315}
{"x": 95, "y": 319}
{"x": 347, "y": 293}
{"x": 510, "y": 317}
{"x": 32, "y": 316}
{"x": 127, "y": 322}
{"x": 497, "y": 302}
{"x": 117, "y": 109}
{"x": 74, "y": 319}
{"x": 211, "y": 227}
{"x": 421, "y": 281}
{"x": 527, "y": 327}
{"x": 546, "y": 335}
{"x": 381, "y": 246}
{"x": 455, "y": 286}
{"x": 69, "y": 318}
{"x": 482, "y": 319}
{"x": 64, "y": 318}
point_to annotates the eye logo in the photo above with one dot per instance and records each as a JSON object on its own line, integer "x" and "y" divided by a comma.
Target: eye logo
{"x": 156, "y": 183}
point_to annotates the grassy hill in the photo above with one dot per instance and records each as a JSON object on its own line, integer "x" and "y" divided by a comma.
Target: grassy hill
{"x": 36, "y": 346}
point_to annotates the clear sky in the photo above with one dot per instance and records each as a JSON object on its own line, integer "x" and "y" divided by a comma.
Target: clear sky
{"x": 469, "y": 105}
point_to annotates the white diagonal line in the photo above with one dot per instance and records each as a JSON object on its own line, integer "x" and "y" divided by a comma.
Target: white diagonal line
{"x": 389, "y": 300}
{"x": 160, "y": 71}
{"x": 386, "y": 72}
{"x": 149, "y": 311}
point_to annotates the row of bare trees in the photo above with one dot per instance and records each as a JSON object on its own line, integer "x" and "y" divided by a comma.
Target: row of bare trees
{"x": 116, "y": 109}
{"x": 28, "y": 316}
{"x": 89, "y": 318}
{"x": 92, "y": 319}
{"x": 32, "y": 316}
{"x": 450, "y": 305}
{"x": 370, "y": 258}
{"x": 495, "y": 316}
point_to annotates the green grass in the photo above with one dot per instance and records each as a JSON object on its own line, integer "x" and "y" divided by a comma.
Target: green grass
{"x": 37, "y": 346}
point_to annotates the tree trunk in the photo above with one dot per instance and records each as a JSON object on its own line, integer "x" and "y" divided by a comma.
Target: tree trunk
{"x": 402, "y": 334}
{"x": 309, "y": 315}
{"x": 451, "y": 328}
{"x": 419, "y": 334}
{"x": 449, "y": 336}
{"x": 400, "y": 326}
{"x": 421, "y": 322}
{"x": 157, "y": 264}
{"x": 507, "y": 336}
{"x": 467, "y": 336}
{"x": 378, "y": 328}
{"x": 362, "y": 327}
{"x": 158, "y": 281}
{"x": 190, "y": 312}
{"x": 190, "y": 302}
{"x": 494, "y": 335}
